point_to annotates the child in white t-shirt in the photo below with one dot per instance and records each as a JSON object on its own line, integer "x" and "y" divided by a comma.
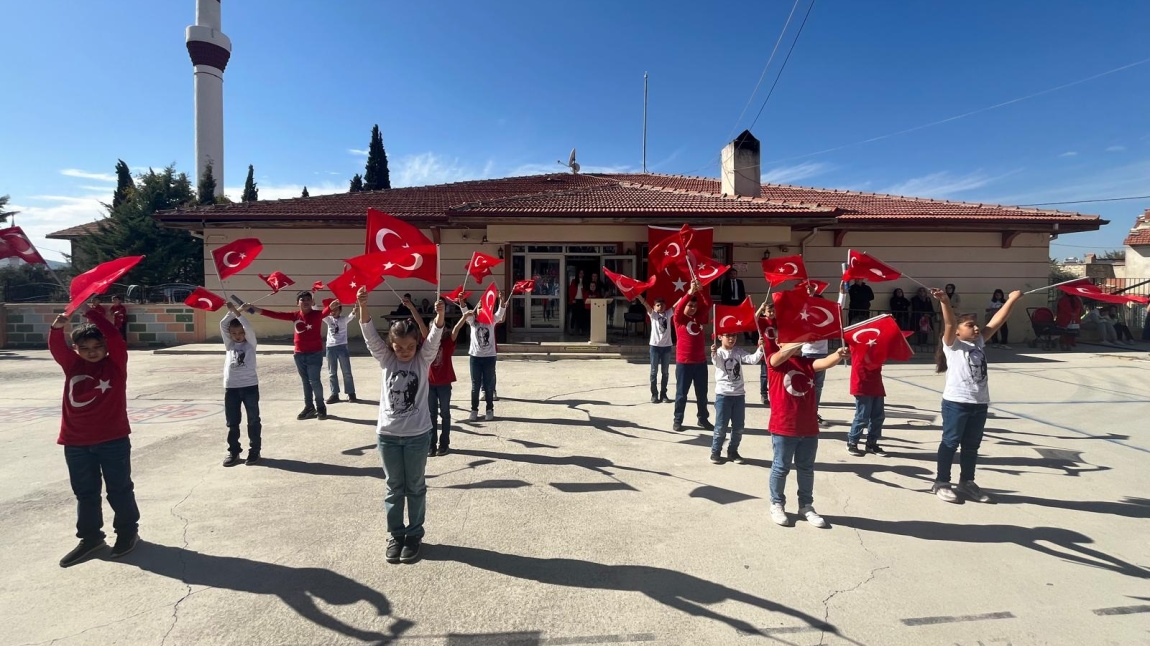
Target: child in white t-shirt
{"x": 661, "y": 347}
{"x": 730, "y": 395}
{"x": 241, "y": 385}
{"x": 337, "y": 323}
{"x": 966, "y": 397}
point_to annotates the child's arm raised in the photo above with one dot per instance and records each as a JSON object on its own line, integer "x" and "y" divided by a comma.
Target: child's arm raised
{"x": 417, "y": 317}
{"x": 751, "y": 358}
{"x": 831, "y": 360}
{"x": 780, "y": 356}
{"x": 58, "y": 345}
{"x": 375, "y": 345}
{"x": 1000, "y": 317}
{"x": 225, "y": 335}
{"x": 949, "y": 321}
{"x": 431, "y": 345}
{"x": 458, "y": 327}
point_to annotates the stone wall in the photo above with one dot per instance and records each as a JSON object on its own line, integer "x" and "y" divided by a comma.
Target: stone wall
{"x": 26, "y": 325}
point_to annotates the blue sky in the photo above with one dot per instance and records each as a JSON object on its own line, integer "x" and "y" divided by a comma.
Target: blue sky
{"x": 464, "y": 90}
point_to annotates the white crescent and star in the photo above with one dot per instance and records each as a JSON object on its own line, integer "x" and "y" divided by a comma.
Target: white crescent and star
{"x": 705, "y": 274}
{"x": 794, "y": 268}
{"x": 829, "y": 317}
{"x": 723, "y": 321}
{"x": 206, "y": 301}
{"x": 877, "y": 272}
{"x": 381, "y": 234}
{"x": 789, "y": 384}
{"x": 224, "y": 260}
{"x": 678, "y": 250}
{"x": 680, "y": 285}
{"x": 19, "y": 244}
{"x": 871, "y": 341}
{"x": 692, "y": 328}
{"x": 299, "y": 331}
{"x": 103, "y": 387}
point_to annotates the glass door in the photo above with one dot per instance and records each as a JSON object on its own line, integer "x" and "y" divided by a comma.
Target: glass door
{"x": 543, "y": 308}
{"x": 618, "y": 306}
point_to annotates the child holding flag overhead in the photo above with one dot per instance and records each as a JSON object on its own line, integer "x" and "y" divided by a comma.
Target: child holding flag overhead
{"x": 966, "y": 397}
{"x": 440, "y": 378}
{"x": 730, "y": 394}
{"x": 241, "y": 385}
{"x": 661, "y": 347}
{"x": 337, "y": 353}
{"x": 690, "y": 357}
{"x": 308, "y": 346}
{"x": 872, "y": 342}
{"x": 482, "y": 351}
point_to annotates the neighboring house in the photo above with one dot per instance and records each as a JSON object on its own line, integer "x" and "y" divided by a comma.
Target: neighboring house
{"x": 72, "y": 234}
{"x": 1138, "y": 248}
{"x": 552, "y": 225}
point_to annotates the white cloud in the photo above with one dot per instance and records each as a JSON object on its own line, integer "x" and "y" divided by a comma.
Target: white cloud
{"x": 1115, "y": 149}
{"x": 548, "y": 169}
{"x": 429, "y": 168}
{"x": 285, "y": 191}
{"x": 1069, "y": 153}
{"x": 942, "y": 184}
{"x": 1129, "y": 179}
{"x": 789, "y": 174}
{"x": 83, "y": 174}
{"x": 357, "y": 151}
{"x": 55, "y": 213}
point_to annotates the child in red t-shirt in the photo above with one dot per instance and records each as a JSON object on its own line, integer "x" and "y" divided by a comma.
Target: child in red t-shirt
{"x": 794, "y": 426}
{"x": 870, "y": 410}
{"x": 439, "y": 379}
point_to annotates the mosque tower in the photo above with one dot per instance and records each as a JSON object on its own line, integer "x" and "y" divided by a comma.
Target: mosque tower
{"x": 210, "y": 50}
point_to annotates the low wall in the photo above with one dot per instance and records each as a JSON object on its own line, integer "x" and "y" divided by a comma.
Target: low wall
{"x": 26, "y": 325}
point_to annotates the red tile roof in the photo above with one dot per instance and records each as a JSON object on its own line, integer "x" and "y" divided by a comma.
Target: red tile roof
{"x": 1137, "y": 238}
{"x": 78, "y": 231}
{"x": 635, "y": 195}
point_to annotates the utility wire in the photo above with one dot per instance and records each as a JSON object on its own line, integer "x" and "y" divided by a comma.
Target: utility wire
{"x": 1104, "y": 199}
{"x": 766, "y": 67}
{"x": 784, "y": 65}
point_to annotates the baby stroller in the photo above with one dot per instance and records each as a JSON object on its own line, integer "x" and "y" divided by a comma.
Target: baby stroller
{"x": 1045, "y": 329}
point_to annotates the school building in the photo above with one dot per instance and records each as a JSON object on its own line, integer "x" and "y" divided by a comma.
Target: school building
{"x": 549, "y": 227}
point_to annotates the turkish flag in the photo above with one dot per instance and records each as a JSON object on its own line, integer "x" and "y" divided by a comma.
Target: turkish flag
{"x": 1086, "y": 289}
{"x": 317, "y": 285}
{"x": 802, "y": 318}
{"x": 98, "y": 279}
{"x": 401, "y": 262}
{"x": 456, "y": 294}
{"x": 860, "y": 265}
{"x": 277, "y": 280}
{"x": 202, "y": 299}
{"x": 480, "y": 265}
{"x": 346, "y": 285}
{"x": 819, "y": 286}
{"x": 780, "y": 270}
{"x": 14, "y": 243}
{"x": 673, "y": 278}
{"x": 235, "y": 256}
{"x": 523, "y": 287}
{"x": 385, "y": 233}
{"x": 707, "y": 269}
{"x": 629, "y": 287}
{"x": 876, "y": 340}
{"x": 732, "y": 319}
{"x": 486, "y": 313}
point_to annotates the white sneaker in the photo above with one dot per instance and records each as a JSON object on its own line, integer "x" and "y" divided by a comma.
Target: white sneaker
{"x": 944, "y": 492}
{"x": 474, "y": 416}
{"x": 812, "y": 516}
{"x": 779, "y": 515}
{"x": 489, "y": 416}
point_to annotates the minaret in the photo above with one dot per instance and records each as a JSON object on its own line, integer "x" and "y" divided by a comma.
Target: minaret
{"x": 210, "y": 50}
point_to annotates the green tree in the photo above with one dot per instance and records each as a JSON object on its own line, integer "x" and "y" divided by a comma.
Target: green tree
{"x": 124, "y": 184}
{"x": 376, "y": 175}
{"x": 207, "y": 188}
{"x": 171, "y": 256}
{"x": 4, "y": 212}
{"x": 1058, "y": 274}
{"x": 304, "y": 194}
{"x": 251, "y": 192}
{"x": 1113, "y": 254}
{"x": 356, "y": 184}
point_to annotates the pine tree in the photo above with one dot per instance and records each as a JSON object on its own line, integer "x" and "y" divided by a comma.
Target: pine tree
{"x": 304, "y": 194}
{"x": 171, "y": 255}
{"x": 376, "y": 175}
{"x": 4, "y": 212}
{"x": 356, "y": 184}
{"x": 124, "y": 184}
{"x": 207, "y": 187}
{"x": 251, "y": 192}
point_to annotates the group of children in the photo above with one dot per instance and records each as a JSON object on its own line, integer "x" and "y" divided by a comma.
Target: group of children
{"x": 791, "y": 382}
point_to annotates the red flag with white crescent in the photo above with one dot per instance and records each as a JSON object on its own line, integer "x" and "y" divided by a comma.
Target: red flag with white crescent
{"x": 97, "y": 280}
{"x": 486, "y": 313}
{"x": 457, "y": 294}
{"x": 780, "y": 270}
{"x": 401, "y": 262}
{"x": 479, "y": 267}
{"x": 876, "y": 340}
{"x": 1084, "y": 288}
{"x": 387, "y": 233}
{"x": 235, "y": 256}
{"x": 861, "y": 265}
{"x": 14, "y": 243}
{"x": 346, "y": 285}
{"x": 732, "y": 319}
{"x": 802, "y": 318}
{"x": 629, "y": 287}
{"x": 203, "y": 299}
{"x": 277, "y": 280}
{"x": 523, "y": 287}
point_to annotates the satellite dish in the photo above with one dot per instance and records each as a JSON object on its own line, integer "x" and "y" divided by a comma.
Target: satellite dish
{"x": 571, "y": 163}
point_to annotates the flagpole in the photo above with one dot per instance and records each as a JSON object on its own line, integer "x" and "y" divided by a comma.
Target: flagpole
{"x": 438, "y": 273}
{"x": 1072, "y": 280}
{"x": 223, "y": 287}
{"x": 261, "y": 298}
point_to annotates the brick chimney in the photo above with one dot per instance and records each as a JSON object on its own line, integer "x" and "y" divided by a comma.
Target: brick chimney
{"x": 740, "y": 167}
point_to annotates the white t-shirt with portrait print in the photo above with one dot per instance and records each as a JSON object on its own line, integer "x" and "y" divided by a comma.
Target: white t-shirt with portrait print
{"x": 660, "y": 328}
{"x": 966, "y": 381}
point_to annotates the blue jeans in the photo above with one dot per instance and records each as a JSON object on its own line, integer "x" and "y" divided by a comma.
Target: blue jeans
{"x": 482, "y": 374}
{"x": 799, "y": 452}
{"x": 660, "y": 359}
{"x": 729, "y": 409}
{"x": 439, "y": 403}
{"x": 962, "y": 427}
{"x": 249, "y": 396}
{"x": 86, "y": 464}
{"x": 686, "y": 375}
{"x": 869, "y": 412}
{"x": 339, "y": 354}
{"x": 308, "y": 365}
{"x": 404, "y": 466}
{"x": 764, "y": 390}
{"x": 820, "y": 377}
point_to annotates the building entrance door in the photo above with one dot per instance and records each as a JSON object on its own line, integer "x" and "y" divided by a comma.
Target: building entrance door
{"x": 543, "y": 308}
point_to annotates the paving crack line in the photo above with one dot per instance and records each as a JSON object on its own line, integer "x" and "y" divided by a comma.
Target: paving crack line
{"x": 183, "y": 560}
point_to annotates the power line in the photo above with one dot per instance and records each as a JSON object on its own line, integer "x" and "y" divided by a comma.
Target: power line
{"x": 1104, "y": 199}
{"x": 784, "y": 65}
{"x": 766, "y": 67}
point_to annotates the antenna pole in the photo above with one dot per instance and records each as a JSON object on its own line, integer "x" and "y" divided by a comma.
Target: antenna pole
{"x": 644, "y": 122}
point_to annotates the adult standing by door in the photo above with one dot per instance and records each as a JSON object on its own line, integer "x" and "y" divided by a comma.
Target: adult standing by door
{"x": 576, "y": 298}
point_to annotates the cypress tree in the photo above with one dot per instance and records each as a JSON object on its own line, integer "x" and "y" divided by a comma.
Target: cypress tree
{"x": 4, "y": 212}
{"x": 124, "y": 184}
{"x": 356, "y": 184}
{"x": 376, "y": 175}
{"x": 207, "y": 187}
{"x": 251, "y": 193}
{"x": 304, "y": 194}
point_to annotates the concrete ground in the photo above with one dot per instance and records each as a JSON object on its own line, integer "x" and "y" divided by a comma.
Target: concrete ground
{"x": 579, "y": 517}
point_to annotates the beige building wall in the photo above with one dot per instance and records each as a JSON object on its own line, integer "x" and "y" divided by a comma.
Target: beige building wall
{"x": 1138, "y": 262}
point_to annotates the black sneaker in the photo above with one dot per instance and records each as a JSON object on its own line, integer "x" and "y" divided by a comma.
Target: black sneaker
{"x": 124, "y": 544}
{"x": 82, "y": 551}
{"x": 877, "y": 450}
{"x": 431, "y": 452}
{"x": 654, "y": 399}
{"x": 394, "y": 545}
{"x": 664, "y": 399}
{"x": 677, "y": 427}
{"x": 334, "y": 399}
{"x": 232, "y": 460}
{"x": 706, "y": 425}
{"x": 410, "y": 549}
{"x": 351, "y": 398}
{"x": 822, "y": 422}
{"x": 495, "y": 398}
{"x": 321, "y": 413}
{"x": 306, "y": 413}
{"x": 716, "y": 458}
{"x": 733, "y": 456}
{"x": 443, "y": 450}
{"x": 253, "y": 457}
{"x": 854, "y": 450}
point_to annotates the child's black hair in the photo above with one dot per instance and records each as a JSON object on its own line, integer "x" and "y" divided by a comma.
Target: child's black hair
{"x": 86, "y": 332}
{"x": 235, "y": 323}
{"x": 117, "y": 297}
{"x": 300, "y": 295}
{"x": 939, "y": 355}
{"x": 660, "y": 300}
{"x": 403, "y": 329}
